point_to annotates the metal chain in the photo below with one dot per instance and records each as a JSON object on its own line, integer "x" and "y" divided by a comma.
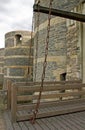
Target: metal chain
{"x": 37, "y": 39}
{"x": 44, "y": 64}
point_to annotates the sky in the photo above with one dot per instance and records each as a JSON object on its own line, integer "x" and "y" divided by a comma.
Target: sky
{"x": 15, "y": 15}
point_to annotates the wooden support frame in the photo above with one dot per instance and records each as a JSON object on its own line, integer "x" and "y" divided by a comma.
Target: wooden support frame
{"x": 60, "y": 13}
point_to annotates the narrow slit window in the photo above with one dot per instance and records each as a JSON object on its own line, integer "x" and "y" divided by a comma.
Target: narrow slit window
{"x": 28, "y": 70}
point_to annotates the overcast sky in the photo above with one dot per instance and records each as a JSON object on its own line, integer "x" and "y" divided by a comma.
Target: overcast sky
{"x": 15, "y": 15}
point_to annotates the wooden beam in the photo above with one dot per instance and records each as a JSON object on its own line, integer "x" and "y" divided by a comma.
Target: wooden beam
{"x": 60, "y": 13}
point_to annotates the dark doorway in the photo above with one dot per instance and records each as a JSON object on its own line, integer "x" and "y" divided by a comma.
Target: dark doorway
{"x": 63, "y": 77}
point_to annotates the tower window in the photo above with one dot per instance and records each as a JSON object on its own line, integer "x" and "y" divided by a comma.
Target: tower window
{"x": 18, "y": 38}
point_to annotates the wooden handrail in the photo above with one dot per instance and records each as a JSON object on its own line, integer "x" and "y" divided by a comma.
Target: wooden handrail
{"x": 9, "y": 84}
{"x": 20, "y": 93}
{"x": 47, "y": 82}
{"x": 13, "y": 102}
{"x": 49, "y": 88}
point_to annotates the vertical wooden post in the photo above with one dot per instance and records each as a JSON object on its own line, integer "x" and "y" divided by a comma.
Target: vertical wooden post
{"x": 13, "y": 102}
{"x": 9, "y": 94}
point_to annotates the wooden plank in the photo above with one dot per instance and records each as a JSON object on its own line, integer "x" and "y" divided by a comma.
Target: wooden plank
{"x": 49, "y": 88}
{"x": 50, "y": 104}
{"x": 43, "y": 125}
{"x": 72, "y": 122}
{"x": 8, "y": 122}
{"x": 9, "y": 94}
{"x": 47, "y": 82}
{"x": 59, "y": 82}
{"x": 64, "y": 110}
{"x": 30, "y": 126}
{"x": 14, "y": 125}
{"x": 60, "y": 124}
{"x": 66, "y": 125}
{"x": 23, "y": 126}
{"x": 58, "y": 95}
{"x": 50, "y": 126}
{"x": 81, "y": 116}
{"x": 54, "y": 123}
{"x": 23, "y": 84}
{"x": 37, "y": 126}
{"x": 24, "y": 117}
{"x": 64, "y": 122}
{"x": 78, "y": 121}
{"x": 60, "y": 13}
{"x": 25, "y": 98}
{"x": 13, "y": 102}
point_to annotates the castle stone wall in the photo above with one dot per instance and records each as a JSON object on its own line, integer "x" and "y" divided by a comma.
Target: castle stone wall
{"x": 57, "y": 61}
{"x": 73, "y": 65}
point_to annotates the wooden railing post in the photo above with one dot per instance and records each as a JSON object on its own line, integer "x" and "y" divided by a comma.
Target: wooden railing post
{"x": 13, "y": 102}
{"x": 9, "y": 94}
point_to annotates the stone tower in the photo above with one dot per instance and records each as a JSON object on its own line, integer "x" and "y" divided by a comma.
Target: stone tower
{"x": 63, "y": 62}
{"x": 1, "y": 67}
{"x": 18, "y": 64}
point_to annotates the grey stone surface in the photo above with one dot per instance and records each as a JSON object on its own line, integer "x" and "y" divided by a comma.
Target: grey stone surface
{"x": 73, "y": 69}
{"x": 17, "y": 56}
{"x": 1, "y": 66}
{"x": 62, "y": 43}
{"x": 18, "y": 61}
{"x": 18, "y": 51}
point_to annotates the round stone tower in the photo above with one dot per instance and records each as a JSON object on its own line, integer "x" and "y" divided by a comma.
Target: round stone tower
{"x": 57, "y": 53}
{"x": 1, "y": 67}
{"x": 18, "y": 60}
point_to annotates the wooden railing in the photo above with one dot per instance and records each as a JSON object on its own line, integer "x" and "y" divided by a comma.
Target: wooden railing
{"x": 24, "y": 97}
{"x": 9, "y": 85}
{"x": 3, "y": 99}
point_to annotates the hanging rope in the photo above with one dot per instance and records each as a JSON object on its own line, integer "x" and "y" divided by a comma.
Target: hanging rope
{"x": 37, "y": 39}
{"x": 44, "y": 64}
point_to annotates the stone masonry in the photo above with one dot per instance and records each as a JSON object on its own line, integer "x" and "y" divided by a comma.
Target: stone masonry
{"x": 64, "y": 53}
{"x": 18, "y": 60}
{"x": 1, "y": 66}
{"x": 63, "y": 49}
